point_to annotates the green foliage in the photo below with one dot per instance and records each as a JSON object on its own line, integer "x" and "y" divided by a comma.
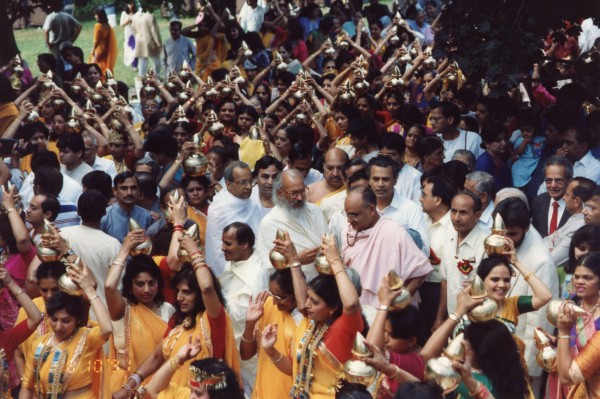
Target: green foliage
{"x": 490, "y": 38}
{"x": 20, "y": 9}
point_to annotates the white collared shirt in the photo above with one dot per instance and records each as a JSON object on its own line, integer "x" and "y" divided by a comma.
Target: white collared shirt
{"x": 466, "y": 140}
{"x": 486, "y": 220}
{"x": 409, "y": 183}
{"x": 437, "y": 232}
{"x": 409, "y": 215}
{"x": 587, "y": 166}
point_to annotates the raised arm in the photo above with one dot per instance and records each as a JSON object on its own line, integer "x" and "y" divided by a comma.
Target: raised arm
{"x": 34, "y": 316}
{"x": 386, "y": 296}
{"x": 541, "y": 293}
{"x": 249, "y": 341}
{"x": 17, "y": 226}
{"x": 286, "y": 248}
{"x": 348, "y": 294}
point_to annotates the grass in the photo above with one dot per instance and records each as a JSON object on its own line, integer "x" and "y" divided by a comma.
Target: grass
{"x": 31, "y": 42}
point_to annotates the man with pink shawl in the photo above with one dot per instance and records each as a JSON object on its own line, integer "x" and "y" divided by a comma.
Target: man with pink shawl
{"x": 374, "y": 245}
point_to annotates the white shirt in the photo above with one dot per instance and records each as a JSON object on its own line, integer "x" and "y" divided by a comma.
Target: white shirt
{"x": 251, "y": 19}
{"x": 71, "y": 190}
{"x": 255, "y": 197}
{"x": 333, "y": 204}
{"x": 409, "y": 183}
{"x": 105, "y": 165}
{"x": 436, "y": 233}
{"x": 485, "y": 220}
{"x": 471, "y": 249}
{"x": 312, "y": 176}
{"x": 408, "y": 214}
{"x": 587, "y": 166}
{"x": 589, "y": 34}
{"x": 465, "y": 141}
{"x": 77, "y": 174}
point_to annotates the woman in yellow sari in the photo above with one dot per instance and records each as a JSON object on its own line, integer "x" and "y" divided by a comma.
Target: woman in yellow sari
{"x": 139, "y": 312}
{"x": 68, "y": 361}
{"x": 47, "y": 275}
{"x": 275, "y": 306}
{"x": 199, "y": 313}
{"x": 322, "y": 341}
{"x": 104, "y": 49}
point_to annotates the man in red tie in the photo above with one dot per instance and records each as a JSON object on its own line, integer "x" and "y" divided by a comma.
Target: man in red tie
{"x": 548, "y": 209}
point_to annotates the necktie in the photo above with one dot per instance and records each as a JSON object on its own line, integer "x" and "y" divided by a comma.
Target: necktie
{"x": 554, "y": 218}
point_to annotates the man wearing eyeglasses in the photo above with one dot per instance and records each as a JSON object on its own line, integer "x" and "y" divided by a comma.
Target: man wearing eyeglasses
{"x": 233, "y": 205}
{"x": 444, "y": 120}
{"x": 244, "y": 278}
{"x": 373, "y": 245}
{"x": 548, "y": 209}
{"x": 304, "y": 222}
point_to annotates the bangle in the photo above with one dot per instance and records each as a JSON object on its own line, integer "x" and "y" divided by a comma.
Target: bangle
{"x": 564, "y": 337}
{"x": 196, "y": 253}
{"x": 173, "y": 363}
{"x": 296, "y": 264}
{"x": 118, "y": 262}
{"x": 178, "y": 228}
{"x": 454, "y": 316}
{"x": 127, "y": 388}
{"x": 385, "y": 308}
{"x": 248, "y": 340}
{"x": 339, "y": 271}
{"x": 526, "y": 278}
{"x": 334, "y": 259}
{"x": 8, "y": 211}
{"x": 94, "y": 297}
{"x": 278, "y": 359}
{"x": 472, "y": 393}
{"x": 396, "y": 372}
{"x": 178, "y": 225}
{"x": 19, "y": 293}
{"x": 138, "y": 372}
{"x": 136, "y": 378}
{"x": 196, "y": 267}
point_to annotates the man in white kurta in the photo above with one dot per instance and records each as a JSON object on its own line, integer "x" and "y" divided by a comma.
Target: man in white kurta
{"x": 244, "y": 278}
{"x": 303, "y": 221}
{"x": 234, "y": 205}
{"x": 532, "y": 252}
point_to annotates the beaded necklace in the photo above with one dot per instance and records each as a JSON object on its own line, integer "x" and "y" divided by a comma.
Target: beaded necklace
{"x": 305, "y": 354}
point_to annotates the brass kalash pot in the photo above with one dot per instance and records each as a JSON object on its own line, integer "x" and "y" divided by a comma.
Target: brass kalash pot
{"x": 401, "y": 300}
{"x": 439, "y": 370}
{"x": 182, "y": 254}
{"x": 196, "y": 164}
{"x": 66, "y": 284}
{"x": 321, "y": 263}
{"x": 277, "y": 259}
{"x": 495, "y": 243}
{"x": 47, "y": 254}
{"x": 546, "y": 356}
{"x": 356, "y": 371}
{"x": 487, "y": 310}
{"x": 143, "y": 248}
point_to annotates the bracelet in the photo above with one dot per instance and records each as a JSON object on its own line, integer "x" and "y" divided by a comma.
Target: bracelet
{"x": 19, "y": 293}
{"x": 248, "y": 340}
{"x": 127, "y": 388}
{"x": 94, "y": 297}
{"x": 454, "y": 316}
{"x": 385, "y": 308}
{"x": 334, "y": 259}
{"x": 138, "y": 372}
{"x": 178, "y": 228}
{"x": 278, "y": 359}
{"x": 178, "y": 225}
{"x": 118, "y": 262}
{"x": 196, "y": 267}
{"x": 472, "y": 393}
{"x": 8, "y": 211}
{"x": 396, "y": 373}
{"x": 564, "y": 337}
{"x": 136, "y": 378}
{"x": 173, "y": 363}
{"x": 196, "y": 253}
{"x": 526, "y": 278}
{"x": 339, "y": 271}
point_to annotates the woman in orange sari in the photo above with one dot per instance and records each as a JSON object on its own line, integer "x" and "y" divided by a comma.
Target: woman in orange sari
{"x": 139, "y": 312}
{"x": 197, "y": 190}
{"x": 104, "y": 49}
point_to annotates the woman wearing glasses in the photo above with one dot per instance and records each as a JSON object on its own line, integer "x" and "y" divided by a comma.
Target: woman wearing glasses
{"x": 275, "y": 306}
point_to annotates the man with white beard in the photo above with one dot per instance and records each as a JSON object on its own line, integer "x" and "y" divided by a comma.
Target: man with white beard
{"x": 303, "y": 221}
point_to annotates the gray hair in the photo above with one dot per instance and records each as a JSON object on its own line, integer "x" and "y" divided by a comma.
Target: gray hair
{"x": 509, "y": 192}
{"x": 154, "y": 167}
{"x": 228, "y": 175}
{"x": 561, "y": 161}
{"x": 464, "y": 153}
{"x": 484, "y": 183}
{"x": 278, "y": 183}
{"x": 93, "y": 138}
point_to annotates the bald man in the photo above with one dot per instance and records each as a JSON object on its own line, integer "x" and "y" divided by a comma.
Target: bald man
{"x": 333, "y": 182}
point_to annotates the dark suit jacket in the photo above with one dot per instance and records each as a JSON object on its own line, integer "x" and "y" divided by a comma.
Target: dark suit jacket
{"x": 539, "y": 214}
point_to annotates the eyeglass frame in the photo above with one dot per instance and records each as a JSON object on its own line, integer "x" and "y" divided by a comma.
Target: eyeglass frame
{"x": 280, "y": 299}
{"x": 290, "y": 195}
{"x": 245, "y": 182}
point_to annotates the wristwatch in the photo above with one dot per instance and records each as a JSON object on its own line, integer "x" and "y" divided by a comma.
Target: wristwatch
{"x": 68, "y": 253}
{"x": 296, "y": 264}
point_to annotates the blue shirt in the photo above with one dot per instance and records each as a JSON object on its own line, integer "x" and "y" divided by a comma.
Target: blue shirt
{"x": 116, "y": 221}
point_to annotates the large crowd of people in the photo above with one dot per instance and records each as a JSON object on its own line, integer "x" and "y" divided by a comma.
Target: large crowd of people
{"x": 297, "y": 201}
